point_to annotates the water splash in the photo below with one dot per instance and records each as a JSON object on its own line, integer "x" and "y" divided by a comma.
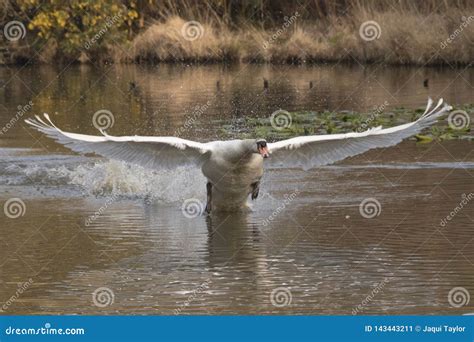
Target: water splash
{"x": 119, "y": 178}
{"x": 98, "y": 177}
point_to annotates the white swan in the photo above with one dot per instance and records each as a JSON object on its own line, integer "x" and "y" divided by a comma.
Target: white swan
{"x": 234, "y": 168}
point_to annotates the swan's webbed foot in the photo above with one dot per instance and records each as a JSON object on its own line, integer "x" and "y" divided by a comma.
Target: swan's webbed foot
{"x": 255, "y": 189}
{"x": 209, "y": 198}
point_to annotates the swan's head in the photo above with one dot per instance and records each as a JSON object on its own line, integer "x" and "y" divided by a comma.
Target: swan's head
{"x": 262, "y": 148}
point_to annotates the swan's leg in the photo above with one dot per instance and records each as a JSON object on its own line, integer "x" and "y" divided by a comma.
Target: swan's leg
{"x": 255, "y": 189}
{"x": 209, "y": 197}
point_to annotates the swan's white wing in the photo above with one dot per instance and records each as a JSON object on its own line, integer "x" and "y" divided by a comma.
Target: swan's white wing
{"x": 316, "y": 150}
{"x": 149, "y": 152}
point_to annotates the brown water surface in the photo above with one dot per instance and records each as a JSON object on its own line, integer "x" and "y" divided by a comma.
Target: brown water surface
{"x": 89, "y": 223}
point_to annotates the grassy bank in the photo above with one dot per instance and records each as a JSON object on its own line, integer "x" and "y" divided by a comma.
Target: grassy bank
{"x": 404, "y": 38}
{"x": 426, "y": 33}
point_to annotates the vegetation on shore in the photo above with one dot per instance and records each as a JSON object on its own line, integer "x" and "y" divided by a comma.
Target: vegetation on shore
{"x": 361, "y": 31}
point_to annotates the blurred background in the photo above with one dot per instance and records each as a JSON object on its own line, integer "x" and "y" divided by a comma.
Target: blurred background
{"x": 407, "y": 32}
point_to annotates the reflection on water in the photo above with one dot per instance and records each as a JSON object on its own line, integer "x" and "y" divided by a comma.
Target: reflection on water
{"x": 90, "y": 223}
{"x": 161, "y": 99}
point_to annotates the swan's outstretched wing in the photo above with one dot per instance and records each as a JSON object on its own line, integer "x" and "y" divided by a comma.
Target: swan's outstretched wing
{"x": 316, "y": 150}
{"x": 149, "y": 152}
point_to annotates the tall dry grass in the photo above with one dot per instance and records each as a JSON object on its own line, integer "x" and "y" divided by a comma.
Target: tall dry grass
{"x": 407, "y": 36}
{"x": 412, "y": 32}
{"x": 165, "y": 42}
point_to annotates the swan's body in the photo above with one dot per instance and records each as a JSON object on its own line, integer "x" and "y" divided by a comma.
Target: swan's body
{"x": 234, "y": 168}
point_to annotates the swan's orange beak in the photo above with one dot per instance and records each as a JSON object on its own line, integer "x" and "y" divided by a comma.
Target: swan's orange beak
{"x": 264, "y": 151}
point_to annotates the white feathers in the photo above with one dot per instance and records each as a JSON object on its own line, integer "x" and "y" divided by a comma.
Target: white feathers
{"x": 317, "y": 150}
{"x": 170, "y": 152}
{"x": 150, "y": 152}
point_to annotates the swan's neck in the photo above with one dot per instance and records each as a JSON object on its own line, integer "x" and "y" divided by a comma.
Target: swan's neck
{"x": 241, "y": 153}
{"x": 242, "y": 159}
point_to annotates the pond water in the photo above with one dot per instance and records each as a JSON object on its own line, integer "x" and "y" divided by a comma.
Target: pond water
{"x": 90, "y": 225}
